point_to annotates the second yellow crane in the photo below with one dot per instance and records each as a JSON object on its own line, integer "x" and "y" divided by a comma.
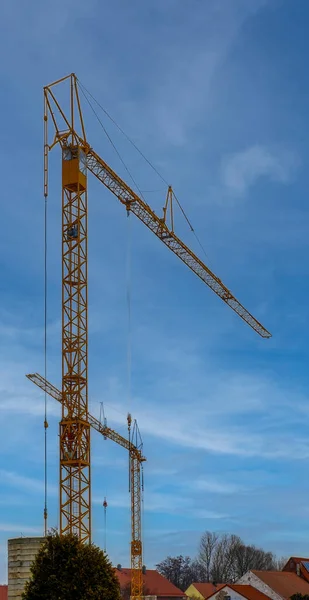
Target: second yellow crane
{"x": 136, "y": 486}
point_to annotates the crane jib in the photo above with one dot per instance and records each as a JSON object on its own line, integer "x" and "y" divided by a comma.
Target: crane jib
{"x": 141, "y": 209}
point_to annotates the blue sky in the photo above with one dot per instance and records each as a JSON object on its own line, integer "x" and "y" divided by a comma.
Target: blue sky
{"x": 215, "y": 93}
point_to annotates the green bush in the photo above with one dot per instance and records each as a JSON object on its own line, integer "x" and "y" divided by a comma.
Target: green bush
{"x": 66, "y": 569}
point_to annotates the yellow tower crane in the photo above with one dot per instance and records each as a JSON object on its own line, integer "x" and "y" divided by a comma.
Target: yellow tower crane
{"x": 136, "y": 461}
{"x": 78, "y": 158}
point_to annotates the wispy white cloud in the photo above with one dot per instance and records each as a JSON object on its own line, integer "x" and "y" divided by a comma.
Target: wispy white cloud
{"x": 243, "y": 169}
{"x": 25, "y": 483}
{"x": 20, "y": 529}
{"x": 28, "y": 405}
{"x": 202, "y": 513}
{"x": 105, "y": 461}
{"x": 163, "y": 502}
{"x": 14, "y": 328}
{"x": 216, "y": 487}
{"x": 215, "y": 422}
{"x": 47, "y": 18}
{"x": 179, "y": 82}
{"x": 12, "y": 499}
{"x": 161, "y": 471}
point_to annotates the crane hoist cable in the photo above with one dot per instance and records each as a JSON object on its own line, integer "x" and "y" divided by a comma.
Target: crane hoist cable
{"x": 142, "y": 507}
{"x": 45, "y": 367}
{"x": 84, "y": 91}
{"x": 191, "y": 227}
{"x": 105, "y": 505}
{"x": 112, "y": 143}
{"x": 129, "y": 250}
{"x": 103, "y": 422}
{"x": 129, "y": 309}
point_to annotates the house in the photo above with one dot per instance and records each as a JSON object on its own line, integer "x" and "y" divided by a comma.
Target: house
{"x": 155, "y": 585}
{"x": 3, "y": 592}
{"x": 233, "y": 591}
{"x": 202, "y": 591}
{"x": 223, "y": 591}
{"x": 277, "y": 585}
{"x": 297, "y": 565}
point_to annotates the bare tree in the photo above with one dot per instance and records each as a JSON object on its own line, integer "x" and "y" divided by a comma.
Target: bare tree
{"x": 179, "y": 570}
{"x": 249, "y": 557}
{"x": 223, "y": 564}
{"x": 222, "y": 558}
{"x": 208, "y": 545}
{"x": 226, "y": 557}
{"x": 280, "y": 562}
{"x": 198, "y": 572}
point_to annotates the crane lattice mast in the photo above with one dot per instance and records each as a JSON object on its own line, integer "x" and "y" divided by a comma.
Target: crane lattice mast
{"x": 75, "y": 490}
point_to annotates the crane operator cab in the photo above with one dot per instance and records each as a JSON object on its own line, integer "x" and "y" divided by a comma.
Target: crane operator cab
{"x": 71, "y": 444}
{"x": 72, "y": 232}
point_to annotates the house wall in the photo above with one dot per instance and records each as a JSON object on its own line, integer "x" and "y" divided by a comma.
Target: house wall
{"x": 251, "y": 579}
{"x": 290, "y": 566}
{"x": 3, "y": 592}
{"x": 170, "y": 598}
{"x": 164, "y": 598}
{"x": 233, "y": 595}
{"x": 192, "y": 592}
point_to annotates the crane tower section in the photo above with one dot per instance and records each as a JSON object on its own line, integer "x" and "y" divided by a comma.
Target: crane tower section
{"x": 136, "y": 526}
{"x": 74, "y": 425}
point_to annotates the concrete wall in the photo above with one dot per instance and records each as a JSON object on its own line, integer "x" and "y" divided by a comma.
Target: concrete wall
{"x": 251, "y": 579}
{"x": 21, "y": 553}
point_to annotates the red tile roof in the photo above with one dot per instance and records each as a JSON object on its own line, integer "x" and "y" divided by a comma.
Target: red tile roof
{"x": 283, "y": 583}
{"x": 154, "y": 583}
{"x": 3, "y": 592}
{"x": 208, "y": 589}
{"x": 248, "y": 591}
{"x": 295, "y": 560}
{"x": 304, "y": 572}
